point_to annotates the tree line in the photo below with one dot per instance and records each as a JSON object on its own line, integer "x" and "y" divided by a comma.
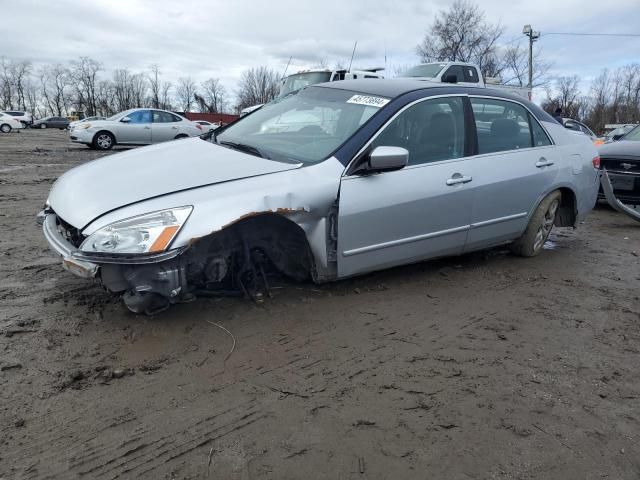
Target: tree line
{"x": 82, "y": 85}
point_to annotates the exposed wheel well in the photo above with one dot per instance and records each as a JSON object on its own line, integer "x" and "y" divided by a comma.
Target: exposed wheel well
{"x": 568, "y": 211}
{"x": 281, "y": 240}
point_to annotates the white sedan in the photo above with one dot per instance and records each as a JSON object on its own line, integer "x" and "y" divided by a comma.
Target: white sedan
{"x": 139, "y": 126}
{"x": 8, "y": 123}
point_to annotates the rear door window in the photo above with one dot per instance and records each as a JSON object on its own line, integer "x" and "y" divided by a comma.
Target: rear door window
{"x": 164, "y": 117}
{"x": 501, "y": 125}
{"x": 470, "y": 75}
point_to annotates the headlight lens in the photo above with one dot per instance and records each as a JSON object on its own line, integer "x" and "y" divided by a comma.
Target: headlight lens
{"x": 149, "y": 233}
{"x": 83, "y": 126}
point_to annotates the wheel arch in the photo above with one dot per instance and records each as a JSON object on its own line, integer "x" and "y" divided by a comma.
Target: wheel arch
{"x": 568, "y": 211}
{"x": 283, "y": 240}
{"x": 105, "y": 130}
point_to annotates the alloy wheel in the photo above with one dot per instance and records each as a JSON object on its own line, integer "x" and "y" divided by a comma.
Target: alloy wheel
{"x": 547, "y": 224}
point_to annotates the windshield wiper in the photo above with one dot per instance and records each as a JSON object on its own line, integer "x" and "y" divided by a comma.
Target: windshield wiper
{"x": 243, "y": 147}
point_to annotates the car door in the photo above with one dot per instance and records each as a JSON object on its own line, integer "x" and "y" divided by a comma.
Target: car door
{"x": 515, "y": 165}
{"x": 164, "y": 126}
{"x": 137, "y": 130}
{"x": 418, "y": 212}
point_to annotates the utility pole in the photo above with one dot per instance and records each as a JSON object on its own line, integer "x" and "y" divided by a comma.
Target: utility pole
{"x": 533, "y": 36}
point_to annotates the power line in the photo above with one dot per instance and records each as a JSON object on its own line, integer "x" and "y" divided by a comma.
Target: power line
{"x": 593, "y": 34}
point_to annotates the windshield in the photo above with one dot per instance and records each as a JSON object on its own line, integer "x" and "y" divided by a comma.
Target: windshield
{"x": 301, "y": 80}
{"x": 306, "y": 127}
{"x": 429, "y": 70}
{"x": 633, "y": 135}
{"x": 115, "y": 117}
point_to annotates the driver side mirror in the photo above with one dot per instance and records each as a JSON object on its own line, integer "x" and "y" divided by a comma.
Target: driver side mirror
{"x": 387, "y": 159}
{"x": 617, "y": 137}
{"x": 125, "y": 119}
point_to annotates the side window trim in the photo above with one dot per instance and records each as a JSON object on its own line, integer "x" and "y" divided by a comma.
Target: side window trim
{"x": 488, "y": 97}
{"x": 365, "y": 148}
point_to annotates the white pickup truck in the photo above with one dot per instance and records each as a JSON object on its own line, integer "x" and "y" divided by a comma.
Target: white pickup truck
{"x": 461, "y": 73}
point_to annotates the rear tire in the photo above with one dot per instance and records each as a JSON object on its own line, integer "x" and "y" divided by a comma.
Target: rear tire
{"x": 103, "y": 141}
{"x": 5, "y": 128}
{"x": 531, "y": 243}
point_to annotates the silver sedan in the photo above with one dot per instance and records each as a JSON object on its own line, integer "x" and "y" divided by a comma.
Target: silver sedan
{"x": 341, "y": 179}
{"x": 139, "y": 126}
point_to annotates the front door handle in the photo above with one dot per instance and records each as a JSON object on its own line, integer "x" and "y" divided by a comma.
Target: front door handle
{"x": 147, "y": 128}
{"x": 456, "y": 178}
{"x": 543, "y": 162}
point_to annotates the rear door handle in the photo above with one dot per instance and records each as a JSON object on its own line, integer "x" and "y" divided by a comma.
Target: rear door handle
{"x": 174, "y": 128}
{"x": 543, "y": 162}
{"x": 147, "y": 128}
{"x": 457, "y": 178}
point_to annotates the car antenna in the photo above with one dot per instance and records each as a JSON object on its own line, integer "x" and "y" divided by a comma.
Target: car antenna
{"x": 284, "y": 74}
{"x": 352, "y": 54}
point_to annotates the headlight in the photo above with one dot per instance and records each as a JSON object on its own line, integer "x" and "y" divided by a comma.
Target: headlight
{"x": 83, "y": 126}
{"x": 149, "y": 233}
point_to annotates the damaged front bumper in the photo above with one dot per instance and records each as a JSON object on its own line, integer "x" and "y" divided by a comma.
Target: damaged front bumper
{"x": 87, "y": 265}
{"x": 63, "y": 248}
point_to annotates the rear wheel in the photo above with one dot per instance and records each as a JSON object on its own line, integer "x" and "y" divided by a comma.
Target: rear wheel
{"x": 103, "y": 141}
{"x": 5, "y": 128}
{"x": 532, "y": 241}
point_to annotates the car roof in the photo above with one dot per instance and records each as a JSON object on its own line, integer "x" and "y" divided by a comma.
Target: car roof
{"x": 395, "y": 87}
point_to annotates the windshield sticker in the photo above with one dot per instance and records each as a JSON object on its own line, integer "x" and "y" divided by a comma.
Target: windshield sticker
{"x": 377, "y": 102}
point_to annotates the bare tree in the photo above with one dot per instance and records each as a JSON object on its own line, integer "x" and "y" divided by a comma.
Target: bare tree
{"x": 154, "y": 85}
{"x": 85, "y": 73}
{"x": 55, "y": 86}
{"x": 6, "y": 84}
{"x": 567, "y": 97}
{"x": 185, "y": 93}
{"x": 257, "y": 85}
{"x": 515, "y": 70}
{"x": 165, "y": 96}
{"x": 214, "y": 95}
{"x": 463, "y": 34}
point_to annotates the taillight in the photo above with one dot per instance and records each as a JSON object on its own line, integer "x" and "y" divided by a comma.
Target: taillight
{"x": 198, "y": 126}
{"x": 596, "y": 162}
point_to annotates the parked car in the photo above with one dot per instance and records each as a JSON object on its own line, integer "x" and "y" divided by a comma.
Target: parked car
{"x": 621, "y": 159}
{"x": 577, "y": 126}
{"x": 51, "y": 122}
{"x": 207, "y": 126}
{"x": 371, "y": 175}
{"x": 23, "y": 117}
{"x": 138, "y": 126}
{"x": 8, "y": 123}
{"x": 618, "y": 133}
{"x": 84, "y": 120}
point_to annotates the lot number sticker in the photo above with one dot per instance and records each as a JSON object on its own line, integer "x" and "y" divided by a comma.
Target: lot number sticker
{"x": 368, "y": 100}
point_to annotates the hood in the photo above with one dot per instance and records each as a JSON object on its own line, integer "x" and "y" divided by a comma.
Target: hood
{"x": 95, "y": 188}
{"x": 620, "y": 149}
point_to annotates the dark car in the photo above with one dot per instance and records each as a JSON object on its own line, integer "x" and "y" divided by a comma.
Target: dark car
{"x": 51, "y": 122}
{"x": 621, "y": 159}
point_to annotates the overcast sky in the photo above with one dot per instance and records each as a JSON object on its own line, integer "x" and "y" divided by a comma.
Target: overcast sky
{"x": 222, "y": 38}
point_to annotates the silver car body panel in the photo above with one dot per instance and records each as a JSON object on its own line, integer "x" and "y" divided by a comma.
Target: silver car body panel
{"x": 136, "y": 175}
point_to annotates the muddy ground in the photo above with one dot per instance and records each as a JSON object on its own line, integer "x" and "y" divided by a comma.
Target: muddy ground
{"x": 485, "y": 366}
